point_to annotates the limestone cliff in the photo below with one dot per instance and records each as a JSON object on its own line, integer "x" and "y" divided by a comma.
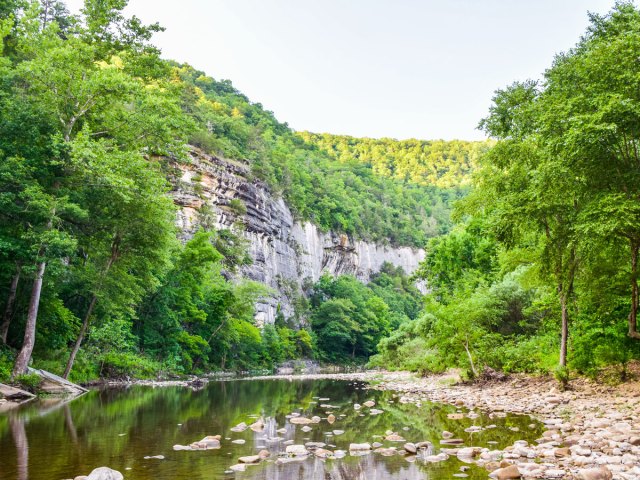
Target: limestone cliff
{"x": 285, "y": 252}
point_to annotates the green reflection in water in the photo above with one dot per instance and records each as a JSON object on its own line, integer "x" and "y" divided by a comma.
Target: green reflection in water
{"x": 119, "y": 427}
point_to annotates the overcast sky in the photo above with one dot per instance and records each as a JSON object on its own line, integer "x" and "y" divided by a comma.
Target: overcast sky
{"x": 377, "y": 68}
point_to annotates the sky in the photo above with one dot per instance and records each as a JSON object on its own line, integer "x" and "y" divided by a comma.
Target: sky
{"x": 422, "y": 69}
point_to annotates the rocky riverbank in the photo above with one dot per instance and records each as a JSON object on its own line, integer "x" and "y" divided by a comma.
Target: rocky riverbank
{"x": 592, "y": 430}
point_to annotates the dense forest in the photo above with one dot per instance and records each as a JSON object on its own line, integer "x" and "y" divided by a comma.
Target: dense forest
{"x": 541, "y": 272}
{"x": 538, "y": 273}
{"x": 93, "y": 279}
{"x": 446, "y": 164}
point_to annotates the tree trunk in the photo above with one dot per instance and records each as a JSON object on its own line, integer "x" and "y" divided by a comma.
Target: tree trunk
{"x": 473, "y": 367}
{"x": 565, "y": 330}
{"x": 81, "y": 334}
{"x": 22, "y": 361}
{"x": 8, "y": 311}
{"x": 115, "y": 246}
{"x": 633, "y": 315}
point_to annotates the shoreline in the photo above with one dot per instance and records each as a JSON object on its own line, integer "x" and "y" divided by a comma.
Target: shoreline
{"x": 592, "y": 430}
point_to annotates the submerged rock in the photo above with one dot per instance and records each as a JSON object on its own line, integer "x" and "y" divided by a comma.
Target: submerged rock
{"x": 210, "y": 442}
{"x": 300, "y": 421}
{"x": 241, "y": 427}
{"x": 354, "y": 447}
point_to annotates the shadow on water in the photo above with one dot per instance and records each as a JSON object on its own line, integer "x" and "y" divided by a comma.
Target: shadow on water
{"x": 118, "y": 427}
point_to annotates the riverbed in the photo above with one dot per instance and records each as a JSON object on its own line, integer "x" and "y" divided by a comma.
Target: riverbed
{"x": 119, "y": 426}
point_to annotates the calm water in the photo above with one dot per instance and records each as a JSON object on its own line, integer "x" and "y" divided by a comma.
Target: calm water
{"x": 119, "y": 427}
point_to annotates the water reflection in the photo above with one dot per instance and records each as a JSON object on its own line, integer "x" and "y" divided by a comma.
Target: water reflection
{"x": 119, "y": 427}
{"x": 19, "y": 434}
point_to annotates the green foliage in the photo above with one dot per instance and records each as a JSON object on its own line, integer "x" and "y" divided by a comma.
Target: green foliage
{"x": 349, "y": 318}
{"x": 28, "y": 381}
{"x": 6, "y": 365}
{"x": 345, "y": 194}
{"x": 441, "y": 163}
{"x": 122, "y": 365}
{"x": 237, "y": 206}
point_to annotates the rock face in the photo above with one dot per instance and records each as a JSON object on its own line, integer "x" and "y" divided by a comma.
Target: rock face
{"x": 285, "y": 251}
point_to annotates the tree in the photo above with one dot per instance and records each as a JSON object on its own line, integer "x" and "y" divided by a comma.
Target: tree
{"x": 526, "y": 188}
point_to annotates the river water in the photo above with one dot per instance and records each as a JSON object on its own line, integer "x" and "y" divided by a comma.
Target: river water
{"x": 118, "y": 427}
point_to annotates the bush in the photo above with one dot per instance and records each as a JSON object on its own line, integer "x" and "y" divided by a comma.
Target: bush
{"x": 237, "y": 206}
{"x": 561, "y": 374}
{"x": 123, "y": 365}
{"x": 29, "y": 381}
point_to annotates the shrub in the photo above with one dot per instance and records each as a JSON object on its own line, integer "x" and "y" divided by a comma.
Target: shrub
{"x": 237, "y": 206}
{"x": 29, "y": 381}
{"x": 122, "y": 365}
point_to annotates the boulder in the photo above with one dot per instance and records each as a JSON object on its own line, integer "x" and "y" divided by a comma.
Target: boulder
{"x": 241, "y": 427}
{"x": 257, "y": 426}
{"x": 297, "y": 450}
{"x": 410, "y": 447}
{"x": 601, "y": 473}
{"x": 322, "y": 453}
{"x": 14, "y": 394}
{"x": 105, "y": 473}
{"x": 55, "y": 385}
{"x": 355, "y": 447}
{"x": 506, "y": 473}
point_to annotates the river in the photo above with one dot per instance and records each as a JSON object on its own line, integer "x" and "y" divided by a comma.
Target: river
{"x": 118, "y": 427}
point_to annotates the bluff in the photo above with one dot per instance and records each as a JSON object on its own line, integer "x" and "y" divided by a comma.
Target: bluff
{"x": 286, "y": 252}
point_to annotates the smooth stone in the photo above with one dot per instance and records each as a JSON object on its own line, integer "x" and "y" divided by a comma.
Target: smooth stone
{"x": 322, "y": 453}
{"x": 306, "y": 428}
{"x": 154, "y": 457}
{"x": 300, "y": 421}
{"x": 297, "y": 450}
{"x": 369, "y": 403}
{"x": 240, "y": 467}
{"x": 241, "y": 427}
{"x": 359, "y": 447}
{"x": 410, "y": 447}
{"x": 105, "y": 473}
{"x": 601, "y": 473}
{"x": 257, "y": 426}
{"x": 506, "y": 473}
{"x": 315, "y": 444}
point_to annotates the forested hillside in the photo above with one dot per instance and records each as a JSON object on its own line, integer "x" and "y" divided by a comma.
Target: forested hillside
{"x": 541, "y": 273}
{"x": 348, "y": 195}
{"x": 93, "y": 279}
{"x": 442, "y": 163}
